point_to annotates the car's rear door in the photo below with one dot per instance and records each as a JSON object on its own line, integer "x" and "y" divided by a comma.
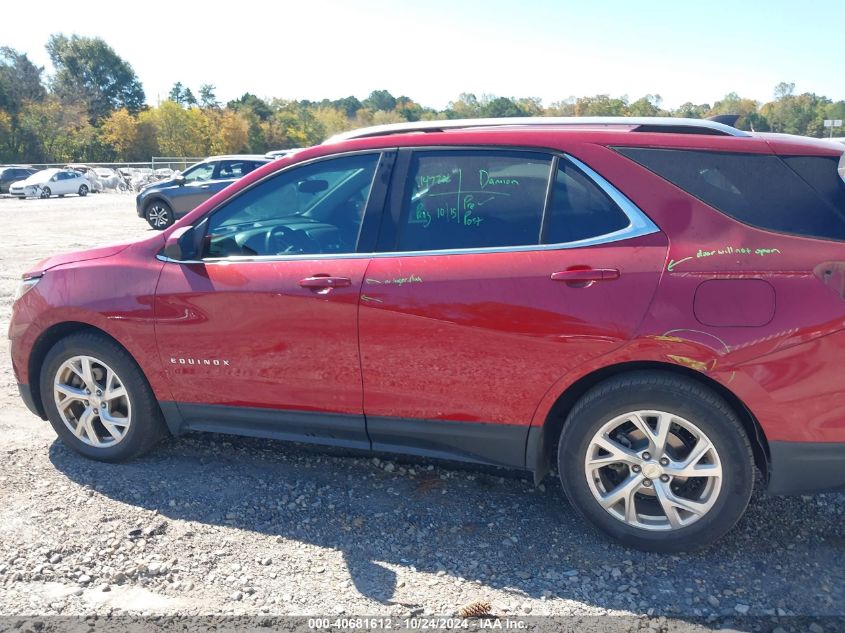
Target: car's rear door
{"x": 511, "y": 268}
{"x": 261, "y": 335}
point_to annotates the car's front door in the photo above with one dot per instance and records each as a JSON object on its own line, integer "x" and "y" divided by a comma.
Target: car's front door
{"x": 489, "y": 299}
{"x": 261, "y": 336}
{"x": 193, "y": 189}
{"x": 63, "y": 183}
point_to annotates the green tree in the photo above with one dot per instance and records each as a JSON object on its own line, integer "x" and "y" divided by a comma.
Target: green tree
{"x": 20, "y": 80}
{"x": 565, "y": 107}
{"x": 188, "y": 97}
{"x": 747, "y": 109}
{"x": 177, "y": 93}
{"x": 466, "y": 107}
{"x": 89, "y": 72}
{"x": 207, "y": 97}
{"x": 350, "y": 105}
{"x": 690, "y": 110}
{"x": 249, "y": 101}
{"x": 500, "y": 107}
{"x": 601, "y": 105}
{"x": 380, "y": 100}
{"x": 61, "y": 131}
{"x": 648, "y": 105}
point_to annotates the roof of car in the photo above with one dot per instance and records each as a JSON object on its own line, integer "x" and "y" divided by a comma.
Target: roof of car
{"x": 260, "y": 157}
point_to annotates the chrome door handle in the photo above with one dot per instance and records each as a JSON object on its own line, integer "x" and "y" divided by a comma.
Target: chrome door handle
{"x": 586, "y": 275}
{"x": 318, "y": 282}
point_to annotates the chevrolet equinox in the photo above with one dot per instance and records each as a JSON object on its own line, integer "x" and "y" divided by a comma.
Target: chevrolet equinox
{"x": 655, "y": 307}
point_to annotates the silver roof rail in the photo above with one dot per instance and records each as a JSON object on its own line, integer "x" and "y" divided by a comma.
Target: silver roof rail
{"x": 651, "y": 124}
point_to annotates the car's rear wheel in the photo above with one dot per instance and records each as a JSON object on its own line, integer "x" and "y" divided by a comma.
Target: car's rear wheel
{"x": 657, "y": 462}
{"x": 46, "y": 193}
{"x": 83, "y": 190}
{"x": 97, "y": 399}
{"x": 159, "y": 214}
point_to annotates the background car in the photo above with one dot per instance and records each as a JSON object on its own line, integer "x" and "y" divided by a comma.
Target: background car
{"x": 111, "y": 179}
{"x": 282, "y": 153}
{"x": 52, "y": 182}
{"x": 90, "y": 173}
{"x": 14, "y": 173}
{"x": 161, "y": 203}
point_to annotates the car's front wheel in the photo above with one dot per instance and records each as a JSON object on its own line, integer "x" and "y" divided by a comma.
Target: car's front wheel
{"x": 97, "y": 399}
{"x": 657, "y": 462}
{"x": 159, "y": 215}
{"x": 45, "y": 192}
{"x": 83, "y": 190}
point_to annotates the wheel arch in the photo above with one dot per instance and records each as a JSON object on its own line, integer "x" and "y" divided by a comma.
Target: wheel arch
{"x": 542, "y": 440}
{"x": 156, "y": 198}
{"x": 45, "y": 342}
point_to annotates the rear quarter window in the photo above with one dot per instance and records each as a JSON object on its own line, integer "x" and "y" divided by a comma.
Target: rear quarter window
{"x": 796, "y": 195}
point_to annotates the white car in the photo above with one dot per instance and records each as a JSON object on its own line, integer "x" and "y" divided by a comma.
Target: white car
{"x": 51, "y": 182}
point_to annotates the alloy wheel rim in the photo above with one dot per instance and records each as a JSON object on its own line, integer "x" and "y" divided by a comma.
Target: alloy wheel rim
{"x": 92, "y": 401}
{"x": 653, "y": 470}
{"x": 158, "y": 216}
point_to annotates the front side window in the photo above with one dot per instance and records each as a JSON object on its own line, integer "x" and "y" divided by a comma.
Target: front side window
{"x": 473, "y": 199}
{"x": 313, "y": 209}
{"x": 200, "y": 172}
{"x": 579, "y": 209}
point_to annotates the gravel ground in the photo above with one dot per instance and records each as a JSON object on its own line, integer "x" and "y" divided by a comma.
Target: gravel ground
{"x": 230, "y": 526}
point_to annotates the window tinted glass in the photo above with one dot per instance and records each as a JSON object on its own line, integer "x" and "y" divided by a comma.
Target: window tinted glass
{"x": 758, "y": 189}
{"x": 473, "y": 199}
{"x": 822, "y": 174}
{"x": 580, "y": 209}
{"x": 234, "y": 168}
{"x": 312, "y": 209}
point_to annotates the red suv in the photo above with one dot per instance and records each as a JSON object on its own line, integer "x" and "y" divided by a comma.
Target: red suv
{"x": 654, "y": 306}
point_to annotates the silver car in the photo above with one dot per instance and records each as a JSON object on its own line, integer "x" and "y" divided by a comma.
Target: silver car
{"x": 163, "y": 202}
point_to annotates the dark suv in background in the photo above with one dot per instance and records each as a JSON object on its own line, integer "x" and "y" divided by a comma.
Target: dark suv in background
{"x": 13, "y": 173}
{"x": 163, "y": 202}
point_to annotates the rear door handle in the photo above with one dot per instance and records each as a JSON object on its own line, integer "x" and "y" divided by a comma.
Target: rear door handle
{"x": 318, "y": 282}
{"x": 586, "y": 274}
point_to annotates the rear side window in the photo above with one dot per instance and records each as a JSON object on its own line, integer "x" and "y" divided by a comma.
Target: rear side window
{"x": 579, "y": 209}
{"x": 473, "y": 199}
{"x": 789, "y": 195}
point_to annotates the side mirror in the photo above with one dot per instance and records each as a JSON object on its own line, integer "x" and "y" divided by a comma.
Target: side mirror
{"x": 179, "y": 179}
{"x": 181, "y": 244}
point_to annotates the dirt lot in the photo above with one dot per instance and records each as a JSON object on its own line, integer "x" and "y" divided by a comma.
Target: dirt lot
{"x": 213, "y": 524}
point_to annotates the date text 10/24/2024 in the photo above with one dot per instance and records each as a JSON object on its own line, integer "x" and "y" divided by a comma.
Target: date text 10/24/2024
{"x": 463, "y": 209}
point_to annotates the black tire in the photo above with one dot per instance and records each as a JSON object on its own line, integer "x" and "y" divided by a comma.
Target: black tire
{"x": 158, "y": 214}
{"x": 146, "y": 426}
{"x": 46, "y": 193}
{"x": 685, "y": 398}
{"x": 83, "y": 190}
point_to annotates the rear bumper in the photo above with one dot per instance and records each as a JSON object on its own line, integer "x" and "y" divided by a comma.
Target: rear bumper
{"x": 806, "y": 467}
{"x": 29, "y": 400}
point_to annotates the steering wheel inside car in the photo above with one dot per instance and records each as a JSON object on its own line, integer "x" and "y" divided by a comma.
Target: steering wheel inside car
{"x": 282, "y": 239}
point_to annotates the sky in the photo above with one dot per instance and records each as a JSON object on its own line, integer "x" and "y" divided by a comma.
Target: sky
{"x": 433, "y": 50}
